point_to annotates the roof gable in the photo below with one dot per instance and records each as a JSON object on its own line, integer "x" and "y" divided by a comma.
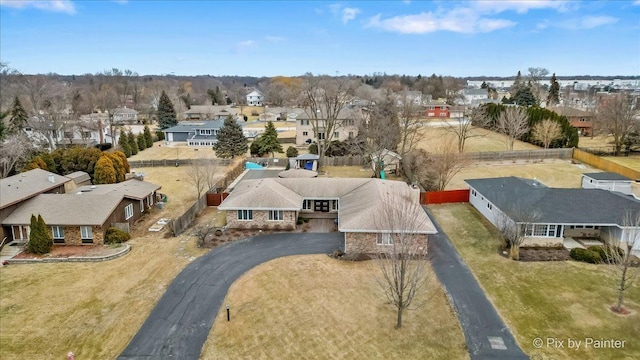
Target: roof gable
{"x": 23, "y": 186}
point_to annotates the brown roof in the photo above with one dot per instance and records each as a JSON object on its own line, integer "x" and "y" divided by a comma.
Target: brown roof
{"x": 361, "y": 201}
{"x": 65, "y": 209}
{"x": 135, "y": 189}
{"x": 570, "y": 112}
{"x": 28, "y": 184}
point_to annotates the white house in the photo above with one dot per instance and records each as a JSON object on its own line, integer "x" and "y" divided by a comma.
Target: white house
{"x": 549, "y": 215}
{"x": 473, "y": 97}
{"x": 254, "y": 98}
{"x": 125, "y": 115}
{"x": 345, "y": 127}
{"x": 608, "y": 181}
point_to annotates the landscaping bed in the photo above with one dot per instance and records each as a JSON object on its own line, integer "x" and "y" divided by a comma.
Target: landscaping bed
{"x": 544, "y": 254}
{"x": 67, "y": 251}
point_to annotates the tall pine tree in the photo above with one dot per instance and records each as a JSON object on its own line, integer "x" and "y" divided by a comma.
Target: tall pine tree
{"x": 18, "y": 117}
{"x": 148, "y": 137}
{"x": 166, "y": 113}
{"x": 133, "y": 144}
{"x": 231, "y": 141}
{"x": 40, "y": 240}
{"x": 142, "y": 143}
{"x": 268, "y": 140}
{"x": 123, "y": 143}
{"x": 518, "y": 83}
{"x": 554, "y": 92}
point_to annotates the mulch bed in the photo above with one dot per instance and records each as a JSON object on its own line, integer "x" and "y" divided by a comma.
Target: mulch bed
{"x": 66, "y": 251}
{"x": 544, "y": 254}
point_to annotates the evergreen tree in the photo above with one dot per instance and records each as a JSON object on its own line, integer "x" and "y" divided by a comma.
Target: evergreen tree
{"x": 216, "y": 96}
{"x": 484, "y": 85}
{"x": 231, "y": 141}
{"x": 40, "y": 240}
{"x": 166, "y": 113}
{"x": 18, "y": 117}
{"x": 123, "y": 143}
{"x": 148, "y": 137}
{"x": 118, "y": 165}
{"x": 3, "y": 128}
{"x": 292, "y": 152}
{"x": 142, "y": 142}
{"x": 554, "y": 92}
{"x": 518, "y": 83}
{"x": 524, "y": 97}
{"x": 105, "y": 172}
{"x": 268, "y": 140}
{"x": 133, "y": 144}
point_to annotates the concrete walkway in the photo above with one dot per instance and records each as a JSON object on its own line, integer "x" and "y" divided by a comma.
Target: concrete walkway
{"x": 486, "y": 334}
{"x": 180, "y": 323}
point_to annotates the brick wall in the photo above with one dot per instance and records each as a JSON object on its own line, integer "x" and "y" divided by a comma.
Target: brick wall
{"x": 261, "y": 220}
{"x": 72, "y": 235}
{"x": 365, "y": 243}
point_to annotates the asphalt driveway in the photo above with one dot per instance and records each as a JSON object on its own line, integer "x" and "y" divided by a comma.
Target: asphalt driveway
{"x": 180, "y": 323}
{"x": 486, "y": 334}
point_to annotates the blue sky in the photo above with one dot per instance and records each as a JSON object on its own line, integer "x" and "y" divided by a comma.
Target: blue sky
{"x": 268, "y": 38}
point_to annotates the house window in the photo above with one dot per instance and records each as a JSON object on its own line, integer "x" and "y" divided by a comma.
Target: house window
{"x": 490, "y": 206}
{"x": 276, "y": 215}
{"x": 350, "y": 134}
{"x": 384, "y": 239}
{"x": 443, "y": 108}
{"x": 305, "y": 133}
{"x": 432, "y": 107}
{"x": 245, "y": 214}
{"x": 540, "y": 230}
{"x": 86, "y": 233}
{"x": 431, "y": 114}
{"x": 307, "y": 204}
{"x": 321, "y": 136}
{"x": 58, "y": 234}
{"x": 443, "y": 114}
{"x": 336, "y": 135}
{"x": 304, "y": 122}
{"x": 528, "y": 230}
{"x": 334, "y": 205}
{"x": 474, "y": 193}
{"x": 552, "y": 231}
{"x": 128, "y": 212}
{"x": 205, "y": 131}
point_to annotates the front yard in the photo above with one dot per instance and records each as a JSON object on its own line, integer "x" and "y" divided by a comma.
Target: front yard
{"x": 547, "y": 300}
{"x": 316, "y": 307}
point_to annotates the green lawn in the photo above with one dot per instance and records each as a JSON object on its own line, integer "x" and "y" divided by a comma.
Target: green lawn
{"x": 563, "y": 300}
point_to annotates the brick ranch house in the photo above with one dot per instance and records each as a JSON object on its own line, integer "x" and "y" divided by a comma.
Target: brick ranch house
{"x": 83, "y": 216}
{"x": 559, "y": 215}
{"x": 364, "y": 208}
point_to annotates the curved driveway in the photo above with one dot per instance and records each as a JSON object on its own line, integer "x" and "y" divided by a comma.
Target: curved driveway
{"x": 180, "y": 323}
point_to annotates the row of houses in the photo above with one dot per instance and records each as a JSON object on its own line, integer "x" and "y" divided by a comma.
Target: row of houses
{"x": 76, "y": 212}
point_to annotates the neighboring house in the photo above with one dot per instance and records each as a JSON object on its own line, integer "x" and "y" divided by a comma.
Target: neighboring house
{"x": 457, "y": 112}
{"x": 473, "y": 97}
{"x": 554, "y": 214}
{"x": 608, "y": 181}
{"x": 255, "y": 98}
{"x": 17, "y": 189}
{"x": 280, "y": 114}
{"x": 437, "y": 110}
{"x": 80, "y": 178}
{"x": 416, "y": 98}
{"x": 359, "y": 205}
{"x": 579, "y": 119}
{"x": 202, "y": 133}
{"x": 44, "y": 133}
{"x": 390, "y": 161}
{"x": 346, "y": 126}
{"x": 84, "y": 216}
{"x": 125, "y": 115}
{"x": 210, "y": 112}
{"x": 82, "y": 132}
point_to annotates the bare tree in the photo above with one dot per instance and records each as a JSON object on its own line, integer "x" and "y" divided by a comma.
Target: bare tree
{"x": 381, "y": 131}
{"x": 405, "y": 277}
{"x": 536, "y": 74}
{"x": 513, "y": 122}
{"x": 434, "y": 171}
{"x": 210, "y": 175}
{"x": 197, "y": 176}
{"x": 324, "y": 98}
{"x": 463, "y": 129}
{"x": 409, "y": 121}
{"x": 617, "y": 116}
{"x": 515, "y": 227}
{"x": 619, "y": 255}
{"x": 14, "y": 149}
{"x": 546, "y": 131}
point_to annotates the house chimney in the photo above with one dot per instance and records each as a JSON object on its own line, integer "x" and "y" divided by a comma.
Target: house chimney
{"x": 415, "y": 192}
{"x": 51, "y": 178}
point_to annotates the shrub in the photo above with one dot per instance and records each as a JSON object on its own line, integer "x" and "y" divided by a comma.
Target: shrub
{"x": 585, "y": 255}
{"x": 607, "y": 254}
{"x": 313, "y": 149}
{"x": 40, "y": 239}
{"x": 104, "y": 146}
{"x": 160, "y": 135}
{"x": 116, "y": 236}
{"x": 300, "y": 221}
{"x": 292, "y": 152}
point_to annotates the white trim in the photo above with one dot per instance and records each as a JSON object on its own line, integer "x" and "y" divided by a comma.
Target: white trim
{"x": 128, "y": 212}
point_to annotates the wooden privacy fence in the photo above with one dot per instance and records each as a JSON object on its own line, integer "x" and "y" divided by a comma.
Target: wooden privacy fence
{"x": 604, "y": 164}
{"x": 180, "y": 224}
{"x": 344, "y": 161}
{"x": 173, "y": 162}
{"x": 520, "y": 155}
{"x": 215, "y": 199}
{"x": 444, "y": 197}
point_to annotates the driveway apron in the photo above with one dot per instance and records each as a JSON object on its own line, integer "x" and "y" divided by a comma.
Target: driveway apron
{"x": 179, "y": 324}
{"x": 486, "y": 334}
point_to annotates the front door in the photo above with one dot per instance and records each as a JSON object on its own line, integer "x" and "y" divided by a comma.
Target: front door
{"x": 321, "y": 205}
{"x": 20, "y": 232}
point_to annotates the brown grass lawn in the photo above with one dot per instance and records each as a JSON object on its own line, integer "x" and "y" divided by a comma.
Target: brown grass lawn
{"x": 632, "y": 162}
{"x": 486, "y": 141}
{"x": 599, "y": 141}
{"x": 92, "y": 309}
{"x": 315, "y": 307}
{"x": 553, "y": 173}
{"x": 352, "y": 172}
{"x": 160, "y": 151}
{"x": 544, "y": 299}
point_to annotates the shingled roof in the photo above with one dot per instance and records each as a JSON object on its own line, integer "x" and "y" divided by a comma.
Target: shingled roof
{"x": 28, "y": 184}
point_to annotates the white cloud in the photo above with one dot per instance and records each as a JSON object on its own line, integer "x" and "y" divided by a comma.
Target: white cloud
{"x": 636, "y": 3}
{"x": 520, "y": 6}
{"x": 274, "y": 39}
{"x": 242, "y": 45}
{"x": 461, "y": 20}
{"x": 589, "y": 22}
{"x": 346, "y": 13}
{"x": 65, "y": 6}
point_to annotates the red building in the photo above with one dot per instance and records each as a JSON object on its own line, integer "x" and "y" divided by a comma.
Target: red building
{"x": 438, "y": 110}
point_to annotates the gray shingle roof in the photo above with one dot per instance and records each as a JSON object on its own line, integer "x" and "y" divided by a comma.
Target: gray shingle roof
{"x": 191, "y": 126}
{"x": 607, "y": 176}
{"x": 27, "y": 184}
{"x": 65, "y": 209}
{"x": 513, "y": 195}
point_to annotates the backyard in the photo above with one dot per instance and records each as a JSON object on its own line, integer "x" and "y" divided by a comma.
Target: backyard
{"x": 482, "y": 140}
{"x": 318, "y": 307}
{"x": 547, "y": 300}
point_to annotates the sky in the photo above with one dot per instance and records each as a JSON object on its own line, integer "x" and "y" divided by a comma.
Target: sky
{"x": 289, "y": 38}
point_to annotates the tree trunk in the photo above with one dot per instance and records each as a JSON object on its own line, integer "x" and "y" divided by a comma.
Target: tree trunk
{"x": 514, "y": 252}
{"x": 399, "y": 319}
{"x": 621, "y": 289}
